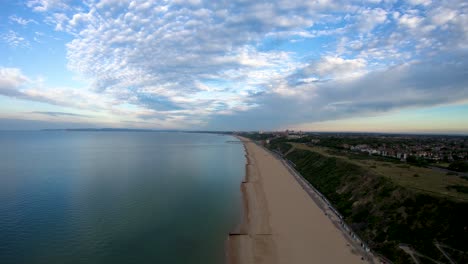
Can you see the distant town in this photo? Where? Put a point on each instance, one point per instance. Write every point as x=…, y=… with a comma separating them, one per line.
x=439, y=150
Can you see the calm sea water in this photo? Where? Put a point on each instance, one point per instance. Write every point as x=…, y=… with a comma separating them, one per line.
x=117, y=197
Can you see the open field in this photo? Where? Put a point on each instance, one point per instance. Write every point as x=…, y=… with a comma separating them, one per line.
x=417, y=178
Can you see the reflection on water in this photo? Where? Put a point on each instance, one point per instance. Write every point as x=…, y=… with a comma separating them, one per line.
x=117, y=197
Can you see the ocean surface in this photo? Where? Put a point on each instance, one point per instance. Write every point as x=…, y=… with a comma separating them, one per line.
x=118, y=197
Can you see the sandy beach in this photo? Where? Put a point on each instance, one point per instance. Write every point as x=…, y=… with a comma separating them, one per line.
x=281, y=223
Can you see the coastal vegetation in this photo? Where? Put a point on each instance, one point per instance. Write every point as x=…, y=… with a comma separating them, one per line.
x=459, y=165
x=387, y=202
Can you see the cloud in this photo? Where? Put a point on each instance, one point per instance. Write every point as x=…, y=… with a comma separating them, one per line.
x=418, y=84
x=246, y=63
x=336, y=68
x=21, y=21
x=371, y=18
x=55, y=114
x=420, y=2
x=47, y=5
x=410, y=21
x=32, y=124
x=57, y=19
x=11, y=79
x=13, y=83
x=13, y=39
x=160, y=56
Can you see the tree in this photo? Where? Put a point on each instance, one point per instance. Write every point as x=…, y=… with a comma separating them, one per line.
x=459, y=165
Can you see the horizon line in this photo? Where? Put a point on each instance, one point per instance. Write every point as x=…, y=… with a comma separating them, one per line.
x=107, y=129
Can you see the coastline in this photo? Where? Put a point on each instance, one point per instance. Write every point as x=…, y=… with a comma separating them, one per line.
x=280, y=222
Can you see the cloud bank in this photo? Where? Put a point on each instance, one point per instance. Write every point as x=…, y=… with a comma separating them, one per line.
x=249, y=64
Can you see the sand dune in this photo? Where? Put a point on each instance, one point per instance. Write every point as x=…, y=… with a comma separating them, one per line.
x=282, y=224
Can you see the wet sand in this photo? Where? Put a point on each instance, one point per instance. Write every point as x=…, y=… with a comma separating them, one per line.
x=281, y=222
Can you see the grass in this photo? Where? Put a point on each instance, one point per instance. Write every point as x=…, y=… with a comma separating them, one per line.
x=458, y=188
x=443, y=165
x=381, y=209
x=428, y=180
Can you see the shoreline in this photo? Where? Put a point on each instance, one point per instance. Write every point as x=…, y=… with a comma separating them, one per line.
x=251, y=243
x=280, y=223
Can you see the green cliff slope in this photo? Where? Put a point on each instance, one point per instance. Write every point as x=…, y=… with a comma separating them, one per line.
x=383, y=213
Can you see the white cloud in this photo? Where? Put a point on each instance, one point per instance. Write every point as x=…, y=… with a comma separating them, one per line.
x=410, y=21
x=441, y=16
x=60, y=20
x=189, y=62
x=159, y=59
x=420, y=2
x=337, y=68
x=46, y=5
x=21, y=21
x=11, y=79
x=371, y=18
x=13, y=83
x=14, y=39
x=418, y=84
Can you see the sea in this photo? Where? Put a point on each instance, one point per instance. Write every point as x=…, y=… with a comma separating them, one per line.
x=118, y=197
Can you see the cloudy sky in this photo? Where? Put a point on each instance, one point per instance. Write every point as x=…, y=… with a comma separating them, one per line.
x=375, y=65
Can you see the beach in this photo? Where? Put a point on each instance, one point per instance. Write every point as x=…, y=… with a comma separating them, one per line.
x=281, y=223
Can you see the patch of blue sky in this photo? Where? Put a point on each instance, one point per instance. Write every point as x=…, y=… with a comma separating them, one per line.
x=303, y=49
x=158, y=103
x=40, y=52
x=13, y=7
x=46, y=60
x=216, y=82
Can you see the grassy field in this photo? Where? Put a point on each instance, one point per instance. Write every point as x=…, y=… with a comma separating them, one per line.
x=417, y=178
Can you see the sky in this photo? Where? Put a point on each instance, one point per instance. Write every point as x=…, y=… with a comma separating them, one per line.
x=316, y=65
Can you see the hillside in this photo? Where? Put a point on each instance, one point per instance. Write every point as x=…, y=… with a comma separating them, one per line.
x=382, y=211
